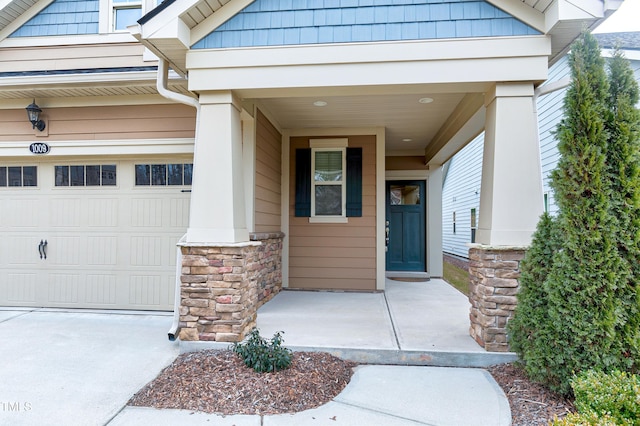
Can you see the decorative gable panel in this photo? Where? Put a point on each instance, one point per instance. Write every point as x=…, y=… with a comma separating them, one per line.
x=294, y=22
x=62, y=17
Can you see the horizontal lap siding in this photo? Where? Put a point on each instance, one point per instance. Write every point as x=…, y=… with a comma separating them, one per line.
x=335, y=255
x=268, y=176
x=20, y=59
x=103, y=123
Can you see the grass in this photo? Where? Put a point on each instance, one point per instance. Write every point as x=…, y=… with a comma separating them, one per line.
x=458, y=278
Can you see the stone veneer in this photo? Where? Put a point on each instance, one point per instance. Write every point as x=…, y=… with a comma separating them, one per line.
x=494, y=273
x=222, y=286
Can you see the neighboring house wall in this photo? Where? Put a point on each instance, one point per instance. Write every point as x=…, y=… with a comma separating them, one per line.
x=550, y=112
x=463, y=177
x=460, y=194
x=335, y=255
x=268, y=176
x=103, y=123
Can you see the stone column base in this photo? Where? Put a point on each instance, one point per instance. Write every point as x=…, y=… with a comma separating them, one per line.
x=222, y=286
x=494, y=273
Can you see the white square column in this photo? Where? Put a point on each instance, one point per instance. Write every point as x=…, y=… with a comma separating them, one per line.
x=217, y=211
x=511, y=197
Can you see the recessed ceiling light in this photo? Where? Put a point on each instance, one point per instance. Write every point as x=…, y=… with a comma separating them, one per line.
x=320, y=103
x=407, y=140
x=425, y=100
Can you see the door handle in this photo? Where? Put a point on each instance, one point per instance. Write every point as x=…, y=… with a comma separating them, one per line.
x=42, y=249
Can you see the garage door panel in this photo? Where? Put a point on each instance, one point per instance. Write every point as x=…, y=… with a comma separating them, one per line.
x=65, y=251
x=178, y=213
x=23, y=213
x=102, y=250
x=22, y=250
x=64, y=288
x=147, y=290
x=66, y=212
x=20, y=288
x=102, y=212
x=146, y=212
x=101, y=289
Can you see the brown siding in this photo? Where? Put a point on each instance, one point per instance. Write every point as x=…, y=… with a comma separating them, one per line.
x=268, y=176
x=103, y=123
x=405, y=163
x=72, y=57
x=339, y=256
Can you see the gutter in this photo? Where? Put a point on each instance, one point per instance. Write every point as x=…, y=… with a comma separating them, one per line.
x=162, y=86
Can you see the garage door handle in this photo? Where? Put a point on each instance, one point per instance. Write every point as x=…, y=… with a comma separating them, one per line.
x=42, y=249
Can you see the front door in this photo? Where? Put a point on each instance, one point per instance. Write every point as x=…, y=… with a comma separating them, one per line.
x=405, y=226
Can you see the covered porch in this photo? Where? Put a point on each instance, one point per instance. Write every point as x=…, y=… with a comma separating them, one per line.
x=413, y=323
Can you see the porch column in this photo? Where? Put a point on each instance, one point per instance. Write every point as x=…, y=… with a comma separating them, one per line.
x=511, y=196
x=510, y=206
x=217, y=211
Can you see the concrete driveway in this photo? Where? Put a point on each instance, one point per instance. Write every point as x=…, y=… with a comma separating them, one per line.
x=75, y=367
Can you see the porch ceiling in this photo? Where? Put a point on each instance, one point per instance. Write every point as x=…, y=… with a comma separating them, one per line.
x=410, y=125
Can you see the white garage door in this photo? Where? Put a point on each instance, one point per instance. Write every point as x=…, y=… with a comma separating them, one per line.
x=110, y=229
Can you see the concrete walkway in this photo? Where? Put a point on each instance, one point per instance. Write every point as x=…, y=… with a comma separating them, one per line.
x=81, y=367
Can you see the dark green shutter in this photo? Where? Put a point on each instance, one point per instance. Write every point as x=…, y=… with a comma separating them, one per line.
x=303, y=182
x=354, y=182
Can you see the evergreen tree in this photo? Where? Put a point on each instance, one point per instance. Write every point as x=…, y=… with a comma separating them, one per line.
x=582, y=281
x=530, y=321
x=623, y=163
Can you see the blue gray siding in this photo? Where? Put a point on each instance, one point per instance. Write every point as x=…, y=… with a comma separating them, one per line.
x=460, y=194
x=288, y=22
x=62, y=17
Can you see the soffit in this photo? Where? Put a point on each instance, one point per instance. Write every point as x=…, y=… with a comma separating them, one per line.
x=12, y=9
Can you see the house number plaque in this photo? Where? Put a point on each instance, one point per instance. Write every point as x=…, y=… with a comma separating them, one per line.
x=39, y=148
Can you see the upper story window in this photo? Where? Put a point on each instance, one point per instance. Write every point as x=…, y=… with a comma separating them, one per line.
x=18, y=176
x=125, y=13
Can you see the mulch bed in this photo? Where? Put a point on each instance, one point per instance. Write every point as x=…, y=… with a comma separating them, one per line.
x=216, y=381
x=531, y=403
x=219, y=382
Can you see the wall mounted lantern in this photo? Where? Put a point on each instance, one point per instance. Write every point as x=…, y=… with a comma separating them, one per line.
x=33, y=111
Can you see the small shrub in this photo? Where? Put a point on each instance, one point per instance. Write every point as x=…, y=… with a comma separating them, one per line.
x=262, y=355
x=605, y=399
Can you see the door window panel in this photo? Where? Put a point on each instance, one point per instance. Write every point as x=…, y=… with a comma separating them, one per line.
x=404, y=195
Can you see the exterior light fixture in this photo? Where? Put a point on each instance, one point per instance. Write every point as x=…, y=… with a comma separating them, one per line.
x=425, y=100
x=407, y=140
x=320, y=103
x=33, y=111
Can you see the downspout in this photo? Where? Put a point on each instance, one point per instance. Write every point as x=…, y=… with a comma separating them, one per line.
x=162, y=86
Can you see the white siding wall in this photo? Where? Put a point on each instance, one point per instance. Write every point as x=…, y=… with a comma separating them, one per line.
x=550, y=111
x=464, y=175
x=460, y=194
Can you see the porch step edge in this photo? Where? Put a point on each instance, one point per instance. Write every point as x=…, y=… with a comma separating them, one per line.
x=387, y=356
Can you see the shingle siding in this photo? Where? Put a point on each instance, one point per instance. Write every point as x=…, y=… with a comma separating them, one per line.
x=285, y=22
x=62, y=17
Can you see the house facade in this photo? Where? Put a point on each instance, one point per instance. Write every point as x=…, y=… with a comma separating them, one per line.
x=463, y=173
x=278, y=143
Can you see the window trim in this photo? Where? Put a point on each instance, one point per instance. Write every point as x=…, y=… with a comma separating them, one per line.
x=128, y=4
x=329, y=145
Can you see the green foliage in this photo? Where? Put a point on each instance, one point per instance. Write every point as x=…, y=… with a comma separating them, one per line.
x=262, y=355
x=581, y=321
x=623, y=161
x=605, y=399
x=529, y=322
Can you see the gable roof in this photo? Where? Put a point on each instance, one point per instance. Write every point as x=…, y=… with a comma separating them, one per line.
x=175, y=26
x=626, y=40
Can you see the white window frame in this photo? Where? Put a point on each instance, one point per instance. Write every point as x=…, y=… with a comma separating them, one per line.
x=128, y=4
x=329, y=145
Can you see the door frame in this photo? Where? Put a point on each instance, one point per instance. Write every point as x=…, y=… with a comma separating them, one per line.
x=423, y=194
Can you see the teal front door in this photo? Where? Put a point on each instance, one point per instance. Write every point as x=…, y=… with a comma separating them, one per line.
x=405, y=225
